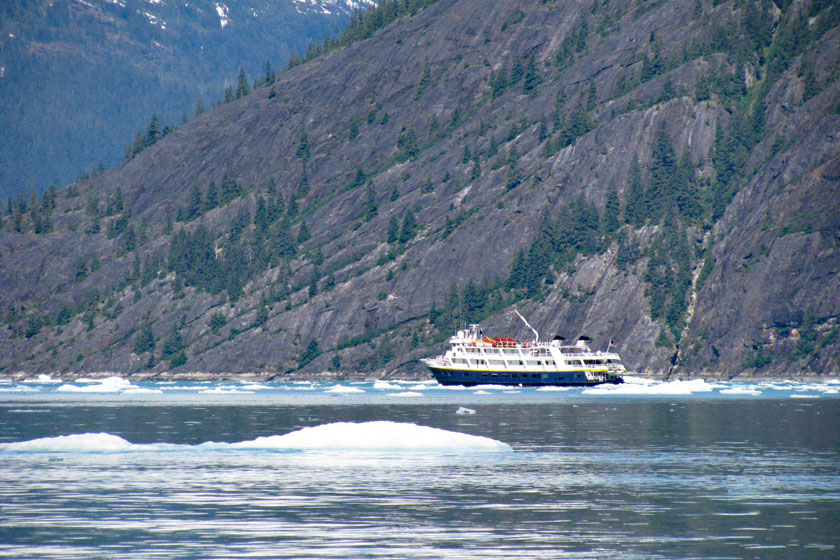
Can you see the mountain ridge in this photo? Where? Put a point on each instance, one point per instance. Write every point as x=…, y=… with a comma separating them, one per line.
x=348, y=216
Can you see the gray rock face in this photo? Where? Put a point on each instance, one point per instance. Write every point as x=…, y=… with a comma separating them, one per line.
x=416, y=119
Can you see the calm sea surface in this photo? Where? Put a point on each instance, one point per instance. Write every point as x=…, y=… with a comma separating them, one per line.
x=642, y=470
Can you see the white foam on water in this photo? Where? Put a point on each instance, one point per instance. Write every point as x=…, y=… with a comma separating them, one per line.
x=341, y=389
x=380, y=436
x=656, y=388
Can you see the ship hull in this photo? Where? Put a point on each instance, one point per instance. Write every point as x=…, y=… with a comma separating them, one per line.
x=470, y=378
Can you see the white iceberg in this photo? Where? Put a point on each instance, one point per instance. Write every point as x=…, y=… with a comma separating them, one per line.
x=340, y=389
x=342, y=436
x=376, y=436
x=107, y=385
x=101, y=442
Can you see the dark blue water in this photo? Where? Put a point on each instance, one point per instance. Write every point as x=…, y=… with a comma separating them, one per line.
x=664, y=471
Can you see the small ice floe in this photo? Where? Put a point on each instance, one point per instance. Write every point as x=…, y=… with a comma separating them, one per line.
x=408, y=394
x=225, y=390
x=79, y=443
x=107, y=385
x=655, y=388
x=341, y=389
x=385, y=386
x=464, y=411
x=750, y=390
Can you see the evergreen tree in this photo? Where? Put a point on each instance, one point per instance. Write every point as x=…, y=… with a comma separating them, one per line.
x=231, y=188
x=145, y=341
x=242, y=88
x=268, y=73
x=371, y=209
x=211, y=197
x=194, y=204
x=612, y=209
x=153, y=132
x=303, y=234
x=425, y=78
x=531, y=79
x=635, y=208
x=408, y=228
x=312, y=351
x=393, y=229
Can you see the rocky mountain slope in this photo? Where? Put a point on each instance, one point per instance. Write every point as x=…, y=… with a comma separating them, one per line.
x=663, y=175
x=78, y=78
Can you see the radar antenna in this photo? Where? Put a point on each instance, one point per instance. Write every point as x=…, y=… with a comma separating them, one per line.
x=536, y=334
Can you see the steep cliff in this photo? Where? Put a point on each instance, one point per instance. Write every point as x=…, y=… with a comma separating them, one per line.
x=659, y=174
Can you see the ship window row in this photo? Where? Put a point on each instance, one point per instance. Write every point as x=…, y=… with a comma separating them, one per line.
x=521, y=363
x=514, y=375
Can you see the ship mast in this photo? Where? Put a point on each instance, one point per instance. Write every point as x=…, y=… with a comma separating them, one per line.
x=536, y=334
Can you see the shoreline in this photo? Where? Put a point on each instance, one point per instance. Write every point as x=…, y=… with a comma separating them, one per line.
x=328, y=376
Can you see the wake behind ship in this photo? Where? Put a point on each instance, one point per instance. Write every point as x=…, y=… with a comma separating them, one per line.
x=477, y=360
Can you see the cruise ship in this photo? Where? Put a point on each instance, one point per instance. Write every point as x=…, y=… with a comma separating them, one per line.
x=474, y=359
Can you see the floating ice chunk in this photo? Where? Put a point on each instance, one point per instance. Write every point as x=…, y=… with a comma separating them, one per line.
x=255, y=386
x=553, y=388
x=406, y=394
x=376, y=436
x=340, y=389
x=385, y=386
x=419, y=387
x=342, y=436
x=107, y=385
x=101, y=442
x=464, y=411
x=480, y=392
x=740, y=391
x=225, y=391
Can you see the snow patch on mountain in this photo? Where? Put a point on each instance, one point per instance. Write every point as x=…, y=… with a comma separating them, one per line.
x=224, y=14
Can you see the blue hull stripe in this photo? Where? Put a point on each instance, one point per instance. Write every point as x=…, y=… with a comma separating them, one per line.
x=446, y=376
